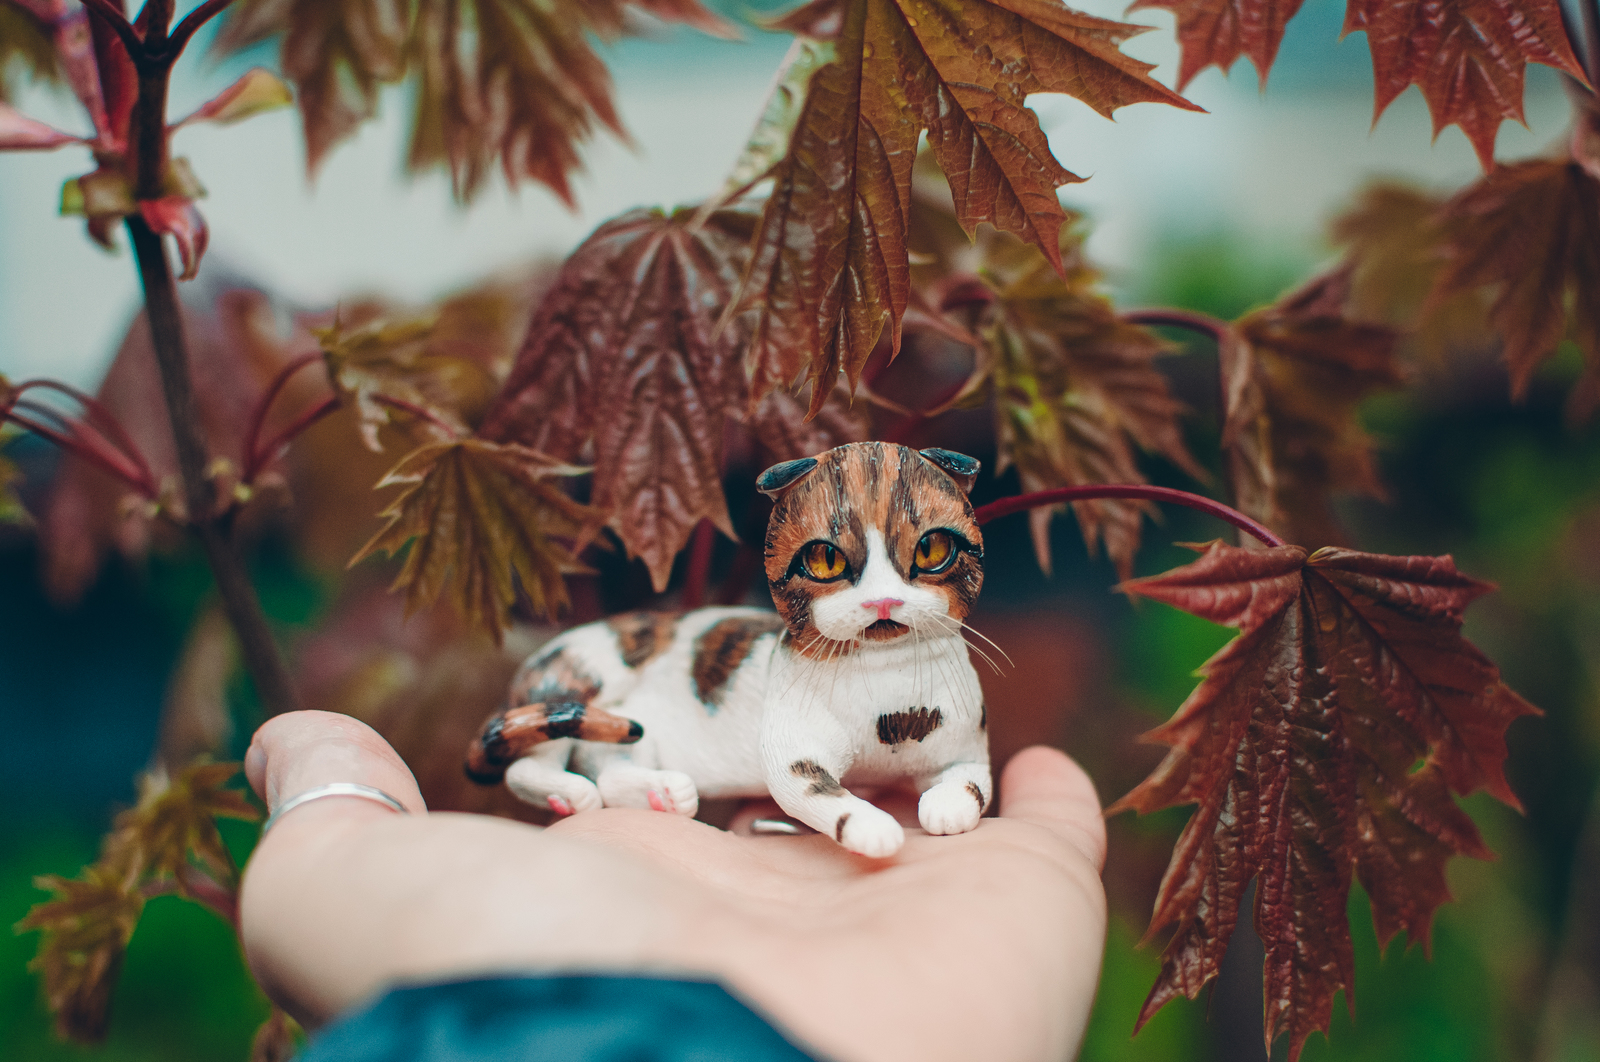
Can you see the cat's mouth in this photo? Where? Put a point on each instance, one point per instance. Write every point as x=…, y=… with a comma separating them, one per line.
x=885, y=630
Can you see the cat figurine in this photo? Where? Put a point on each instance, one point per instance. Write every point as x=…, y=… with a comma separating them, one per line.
x=861, y=677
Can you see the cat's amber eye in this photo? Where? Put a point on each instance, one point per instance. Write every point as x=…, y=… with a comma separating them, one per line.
x=936, y=551
x=823, y=561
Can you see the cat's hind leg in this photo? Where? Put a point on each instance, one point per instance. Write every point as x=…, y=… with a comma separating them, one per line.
x=625, y=784
x=954, y=799
x=541, y=779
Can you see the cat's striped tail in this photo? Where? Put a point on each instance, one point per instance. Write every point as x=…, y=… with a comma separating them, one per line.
x=512, y=734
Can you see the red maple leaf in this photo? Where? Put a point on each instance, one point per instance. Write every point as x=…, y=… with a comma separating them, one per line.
x=1325, y=739
x=830, y=272
x=1468, y=57
x=1217, y=32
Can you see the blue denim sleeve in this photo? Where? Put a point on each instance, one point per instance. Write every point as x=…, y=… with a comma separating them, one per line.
x=555, y=1019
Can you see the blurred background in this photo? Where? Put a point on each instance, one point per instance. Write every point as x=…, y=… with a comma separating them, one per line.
x=1216, y=212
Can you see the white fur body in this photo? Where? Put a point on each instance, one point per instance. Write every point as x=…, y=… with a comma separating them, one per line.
x=873, y=559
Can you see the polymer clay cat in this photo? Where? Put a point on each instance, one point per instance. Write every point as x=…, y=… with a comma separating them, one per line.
x=861, y=678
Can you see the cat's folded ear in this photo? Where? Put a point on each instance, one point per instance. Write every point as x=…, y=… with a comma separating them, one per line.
x=778, y=478
x=962, y=469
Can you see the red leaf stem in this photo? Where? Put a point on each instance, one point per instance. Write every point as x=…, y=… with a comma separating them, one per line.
x=112, y=16
x=99, y=417
x=1021, y=502
x=698, y=570
x=101, y=454
x=420, y=412
x=1194, y=322
x=253, y=454
x=267, y=454
x=192, y=22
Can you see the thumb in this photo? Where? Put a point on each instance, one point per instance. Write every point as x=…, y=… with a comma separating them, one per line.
x=297, y=751
x=1046, y=787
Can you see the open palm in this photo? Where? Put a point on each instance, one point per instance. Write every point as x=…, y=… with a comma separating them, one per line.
x=985, y=944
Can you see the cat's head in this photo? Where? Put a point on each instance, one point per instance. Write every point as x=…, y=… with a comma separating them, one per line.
x=871, y=541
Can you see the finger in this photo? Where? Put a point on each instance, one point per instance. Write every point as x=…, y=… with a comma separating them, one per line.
x=1046, y=787
x=297, y=751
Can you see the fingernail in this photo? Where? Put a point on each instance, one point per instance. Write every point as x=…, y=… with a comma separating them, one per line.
x=255, y=761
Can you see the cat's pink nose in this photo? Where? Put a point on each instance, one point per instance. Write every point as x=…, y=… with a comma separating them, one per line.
x=883, y=605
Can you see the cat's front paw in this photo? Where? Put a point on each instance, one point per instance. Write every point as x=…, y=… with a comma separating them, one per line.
x=632, y=787
x=561, y=791
x=869, y=831
x=950, y=807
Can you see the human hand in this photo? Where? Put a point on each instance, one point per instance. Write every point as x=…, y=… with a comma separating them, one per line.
x=981, y=945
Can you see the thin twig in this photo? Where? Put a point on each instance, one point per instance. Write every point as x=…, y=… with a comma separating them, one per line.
x=1137, y=492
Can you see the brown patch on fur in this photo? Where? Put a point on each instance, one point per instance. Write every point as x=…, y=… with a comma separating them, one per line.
x=641, y=636
x=854, y=487
x=509, y=736
x=977, y=794
x=721, y=648
x=912, y=725
x=838, y=827
x=822, y=783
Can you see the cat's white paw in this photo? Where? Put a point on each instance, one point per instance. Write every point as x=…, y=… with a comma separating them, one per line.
x=544, y=786
x=671, y=791
x=950, y=807
x=869, y=831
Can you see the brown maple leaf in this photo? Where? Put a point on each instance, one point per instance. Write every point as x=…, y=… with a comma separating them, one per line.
x=1528, y=235
x=508, y=81
x=86, y=927
x=84, y=932
x=1076, y=389
x=829, y=273
x=434, y=372
x=781, y=424
x=1393, y=243
x=1294, y=375
x=1325, y=739
x=625, y=367
x=479, y=515
x=337, y=54
x=1217, y=32
x=1468, y=57
x=175, y=821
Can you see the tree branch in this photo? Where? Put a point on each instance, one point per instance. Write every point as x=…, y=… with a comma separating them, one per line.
x=265, y=455
x=1020, y=503
x=239, y=600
